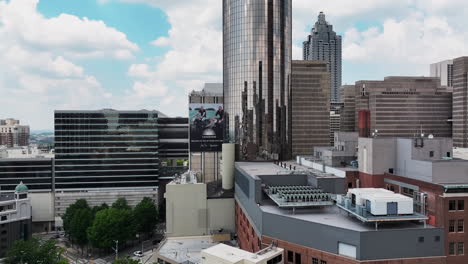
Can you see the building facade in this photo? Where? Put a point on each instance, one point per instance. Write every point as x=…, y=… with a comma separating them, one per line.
x=257, y=40
x=310, y=106
x=347, y=118
x=12, y=134
x=324, y=44
x=460, y=102
x=403, y=107
x=443, y=70
x=37, y=173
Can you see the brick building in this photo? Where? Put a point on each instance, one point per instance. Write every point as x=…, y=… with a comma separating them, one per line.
x=12, y=134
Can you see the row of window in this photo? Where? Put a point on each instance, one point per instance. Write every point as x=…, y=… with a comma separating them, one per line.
x=456, y=248
x=456, y=205
x=460, y=226
x=294, y=257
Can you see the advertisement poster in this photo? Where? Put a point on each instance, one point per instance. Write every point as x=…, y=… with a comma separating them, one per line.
x=206, y=127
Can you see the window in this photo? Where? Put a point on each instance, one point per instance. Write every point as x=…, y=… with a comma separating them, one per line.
x=452, y=205
x=298, y=258
x=449, y=154
x=4, y=218
x=290, y=256
x=275, y=260
x=437, y=238
x=461, y=226
x=460, y=248
x=315, y=261
x=323, y=262
x=452, y=248
x=431, y=154
x=461, y=205
x=451, y=226
x=421, y=239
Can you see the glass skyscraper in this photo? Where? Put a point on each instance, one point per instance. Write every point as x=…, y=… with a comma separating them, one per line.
x=257, y=65
x=324, y=44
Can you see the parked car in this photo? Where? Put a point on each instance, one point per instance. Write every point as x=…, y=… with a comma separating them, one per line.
x=138, y=254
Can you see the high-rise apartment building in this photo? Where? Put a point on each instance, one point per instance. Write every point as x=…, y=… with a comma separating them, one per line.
x=443, y=70
x=403, y=106
x=460, y=102
x=310, y=106
x=256, y=76
x=324, y=44
x=13, y=134
x=347, y=118
x=106, y=149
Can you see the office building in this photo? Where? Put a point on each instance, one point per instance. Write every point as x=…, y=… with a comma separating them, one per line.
x=37, y=173
x=460, y=102
x=325, y=45
x=425, y=170
x=347, y=117
x=443, y=70
x=402, y=107
x=342, y=153
x=310, y=95
x=316, y=230
x=106, y=149
x=257, y=40
x=12, y=134
x=15, y=217
x=207, y=164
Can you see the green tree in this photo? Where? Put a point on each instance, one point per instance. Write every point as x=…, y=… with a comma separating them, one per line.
x=81, y=221
x=69, y=213
x=121, y=203
x=126, y=260
x=99, y=208
x=34, y=251
x=146, y=215
x=109, y=225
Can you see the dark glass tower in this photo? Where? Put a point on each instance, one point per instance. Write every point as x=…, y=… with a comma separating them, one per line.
x=106, y=149
x=257, y=64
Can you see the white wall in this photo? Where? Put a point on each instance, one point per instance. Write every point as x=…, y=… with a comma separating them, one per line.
x=221, y=214
x=42, y=206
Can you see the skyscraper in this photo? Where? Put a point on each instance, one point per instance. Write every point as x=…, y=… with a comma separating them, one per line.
x=324, y=44
x=256, y=75
x=460, y=102
x=443, y=70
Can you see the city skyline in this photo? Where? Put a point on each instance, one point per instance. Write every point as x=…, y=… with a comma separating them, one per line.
x=133, y=66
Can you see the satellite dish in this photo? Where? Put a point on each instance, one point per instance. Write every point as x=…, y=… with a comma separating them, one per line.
x=431, y=136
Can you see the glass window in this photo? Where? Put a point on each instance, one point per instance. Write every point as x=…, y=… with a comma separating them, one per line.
x=460, y=248
x=452, y=205
x=452, y=248
x=461, y=225
x=298, y=258
x=290, y=256
x=315, y=261
x=452, y=226
x=431, y=154
x=323, y=262
x=461, y=205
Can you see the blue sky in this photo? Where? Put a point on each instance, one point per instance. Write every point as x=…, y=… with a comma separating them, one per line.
x=148, y=54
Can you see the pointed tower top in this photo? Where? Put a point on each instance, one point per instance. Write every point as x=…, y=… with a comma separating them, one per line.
x=321, y=18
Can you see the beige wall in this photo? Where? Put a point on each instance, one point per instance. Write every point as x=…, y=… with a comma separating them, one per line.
x=221, y=214
x=42, y=207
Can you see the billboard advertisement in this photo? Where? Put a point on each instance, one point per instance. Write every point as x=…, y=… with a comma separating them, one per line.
x=206, y=127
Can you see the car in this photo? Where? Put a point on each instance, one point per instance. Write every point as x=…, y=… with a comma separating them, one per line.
x=138, y=254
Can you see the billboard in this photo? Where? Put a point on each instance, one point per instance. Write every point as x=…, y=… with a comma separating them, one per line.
x=206, y=127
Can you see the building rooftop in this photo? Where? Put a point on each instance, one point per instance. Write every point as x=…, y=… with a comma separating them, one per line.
x=236, y=255
x=460, y=153
x=185, y=249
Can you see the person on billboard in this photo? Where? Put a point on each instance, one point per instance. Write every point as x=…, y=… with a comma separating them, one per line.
x=219, y=115
x=202, y=113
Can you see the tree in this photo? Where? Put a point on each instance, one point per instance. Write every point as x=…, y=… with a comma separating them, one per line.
x=34, y=251
x=110, y=225
x=68, y=216
x=146, y=215
x=81, y=221
x=99, y=208
x=126, y=260
x=121, y=203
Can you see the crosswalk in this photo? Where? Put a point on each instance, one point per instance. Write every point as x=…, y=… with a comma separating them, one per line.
x=100, y=261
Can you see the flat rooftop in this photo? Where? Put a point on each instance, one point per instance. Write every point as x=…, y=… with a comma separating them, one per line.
x=235, y=255
x=333, y=216
x=185, y=248
x=460, y=153
x=262, y=168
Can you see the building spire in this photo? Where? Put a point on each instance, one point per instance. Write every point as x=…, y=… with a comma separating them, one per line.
x=321, y=18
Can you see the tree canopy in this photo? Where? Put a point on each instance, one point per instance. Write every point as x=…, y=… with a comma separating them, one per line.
x=34, y=251
x=146, y=215
x=121, y=203
x=69, y=213
x=126, y=261
x=110, y=225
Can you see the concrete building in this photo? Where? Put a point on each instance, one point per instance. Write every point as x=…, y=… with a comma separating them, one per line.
x=342, y=153
x=422, y=168
x=15, y=217
x=207, y=164
x=12, y=134
x=197, y=209
x=460, y=102
x=225, y=254
x=325, y=45
x=310, y=230
x=403, y=107
x=310, y=95
x=347, y=117
x=443, y=70
x=257, y=52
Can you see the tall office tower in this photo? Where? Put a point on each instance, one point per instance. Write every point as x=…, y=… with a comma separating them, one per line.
x=256, y=72
x=207, y=163
x=13, y=134
x=310, y=101
x=347, y=115
x=443, y=70
x=404, y=107
x=324, y=44
x=460, y=102
x=106, y=149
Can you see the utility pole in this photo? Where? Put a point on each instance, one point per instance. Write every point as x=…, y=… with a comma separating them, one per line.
x=116, y=249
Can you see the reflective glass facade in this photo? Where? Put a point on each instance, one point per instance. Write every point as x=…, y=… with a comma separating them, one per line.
x=257, y=65
x=106, y=149
x=35, y=173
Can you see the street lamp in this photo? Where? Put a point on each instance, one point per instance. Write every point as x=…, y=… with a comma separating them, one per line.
x=116, y=249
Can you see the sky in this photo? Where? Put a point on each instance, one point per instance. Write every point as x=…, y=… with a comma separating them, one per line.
x=148, y=54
